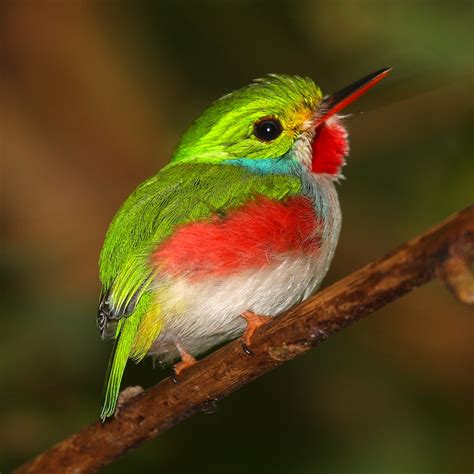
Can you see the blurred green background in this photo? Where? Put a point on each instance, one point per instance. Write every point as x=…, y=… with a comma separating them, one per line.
x=94, y=96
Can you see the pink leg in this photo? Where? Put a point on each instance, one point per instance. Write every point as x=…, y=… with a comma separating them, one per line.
x=254, y=321
x=187, y=360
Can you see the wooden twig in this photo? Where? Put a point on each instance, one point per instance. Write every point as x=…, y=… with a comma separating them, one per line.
x=165, y=405
x=456, y=270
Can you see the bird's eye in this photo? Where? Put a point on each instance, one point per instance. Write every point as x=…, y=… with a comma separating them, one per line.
x=267, y=129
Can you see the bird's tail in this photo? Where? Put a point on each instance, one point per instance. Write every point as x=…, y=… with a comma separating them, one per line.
x=125, y=339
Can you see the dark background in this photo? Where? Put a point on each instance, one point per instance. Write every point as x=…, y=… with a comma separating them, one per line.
x=93, y=98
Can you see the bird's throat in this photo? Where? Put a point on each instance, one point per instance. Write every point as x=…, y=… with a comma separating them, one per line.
x=330, y=146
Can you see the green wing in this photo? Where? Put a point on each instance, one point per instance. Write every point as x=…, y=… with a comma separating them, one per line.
x=178, y=194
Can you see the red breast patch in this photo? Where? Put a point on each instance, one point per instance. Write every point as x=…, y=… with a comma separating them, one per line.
x=251, y=236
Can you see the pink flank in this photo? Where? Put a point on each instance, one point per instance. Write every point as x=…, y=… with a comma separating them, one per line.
x=330, y=147
x=251, y=236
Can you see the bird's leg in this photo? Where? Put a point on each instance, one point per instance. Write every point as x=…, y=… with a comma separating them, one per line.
x=187, y=360
x=254, y=321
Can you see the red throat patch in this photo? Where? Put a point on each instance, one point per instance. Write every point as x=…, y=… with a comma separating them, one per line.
x=330, y=147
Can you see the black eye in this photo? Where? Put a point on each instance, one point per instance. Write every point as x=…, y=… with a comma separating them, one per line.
x=267, y=129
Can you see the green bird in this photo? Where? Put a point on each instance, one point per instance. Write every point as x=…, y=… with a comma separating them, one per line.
x=238, y=227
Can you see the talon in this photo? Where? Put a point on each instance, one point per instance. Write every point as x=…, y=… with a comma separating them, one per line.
x=246, y=348
x=254, y=321
x=187, y=360
x=173, y=376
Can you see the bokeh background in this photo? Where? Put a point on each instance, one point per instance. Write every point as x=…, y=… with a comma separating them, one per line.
x=93, y=98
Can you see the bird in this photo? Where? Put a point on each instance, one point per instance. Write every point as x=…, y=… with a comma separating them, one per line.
x=238, y=227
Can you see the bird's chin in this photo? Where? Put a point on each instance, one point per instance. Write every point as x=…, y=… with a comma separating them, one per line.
x=329, y=148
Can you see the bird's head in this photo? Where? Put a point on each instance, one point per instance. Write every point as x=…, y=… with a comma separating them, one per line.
x=276, y=118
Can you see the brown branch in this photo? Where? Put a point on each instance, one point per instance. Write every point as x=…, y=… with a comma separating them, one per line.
x=455, y=271
x=163, y=406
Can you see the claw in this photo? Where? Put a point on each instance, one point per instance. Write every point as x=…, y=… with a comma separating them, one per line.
x=246, y=348
x=174, y=377
x=187, y=360
x=254, y=321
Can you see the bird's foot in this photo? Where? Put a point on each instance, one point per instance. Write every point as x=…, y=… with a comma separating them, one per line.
x=187, y=360
x=254, y=321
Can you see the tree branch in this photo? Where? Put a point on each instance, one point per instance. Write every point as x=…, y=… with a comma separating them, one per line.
x=163, y=406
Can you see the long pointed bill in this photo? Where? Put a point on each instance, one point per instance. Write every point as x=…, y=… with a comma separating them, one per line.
x=336, y=102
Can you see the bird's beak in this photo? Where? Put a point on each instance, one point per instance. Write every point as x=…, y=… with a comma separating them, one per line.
x=334, y=103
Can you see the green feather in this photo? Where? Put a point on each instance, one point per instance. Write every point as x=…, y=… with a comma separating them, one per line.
x=225, y=129
x=125, y=336
x=195, y=186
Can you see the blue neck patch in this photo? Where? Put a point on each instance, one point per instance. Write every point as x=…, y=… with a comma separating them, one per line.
x=266, y=165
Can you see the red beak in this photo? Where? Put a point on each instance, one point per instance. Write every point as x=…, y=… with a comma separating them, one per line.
x=336, y=102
